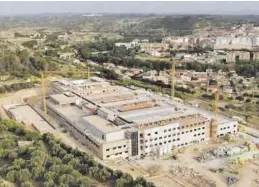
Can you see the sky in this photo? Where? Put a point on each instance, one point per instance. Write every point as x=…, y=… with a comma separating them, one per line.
x=173, y=7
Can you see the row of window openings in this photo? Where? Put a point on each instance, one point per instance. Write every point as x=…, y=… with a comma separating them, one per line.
x=119, y=147
x=169, y=141
x=174, y=135
x=199, y=134
x=165, y=143
x=225, y=134
x=120, y=153
x=179, y=133
x=187, y=126
x=226, y=127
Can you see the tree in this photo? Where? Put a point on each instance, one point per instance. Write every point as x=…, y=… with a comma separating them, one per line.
x=245, y=94
x=11, y=176
x=51, y=52
x=27, y=184
x=240, y=98
x=23, y=175
x=248, y=100
x=84, y=51
x=74, y=162
x=66, y=179
x=128, y=178
x=67, y=158
x=30, y=44
x=37, y=172
x=50, y=175
x=31, y=135
x=62, y=153
x=2, y=153
x=120, y=182
x=49, y=183
x=18, y=162
x=138, y=185
x=55, y=149
x=24, y=56
x=12, y=155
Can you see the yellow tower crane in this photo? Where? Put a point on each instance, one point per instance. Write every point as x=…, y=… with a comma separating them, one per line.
x=172, y=80
x=214, y=127
x=43, y=85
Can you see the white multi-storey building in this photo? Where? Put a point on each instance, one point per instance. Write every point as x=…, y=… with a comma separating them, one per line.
x=125, y=123
x=236, y=42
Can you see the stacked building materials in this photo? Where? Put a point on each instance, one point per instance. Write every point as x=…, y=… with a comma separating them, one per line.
x=237, y=150
x=220, y=151
x=205, y=157
x=240, y=159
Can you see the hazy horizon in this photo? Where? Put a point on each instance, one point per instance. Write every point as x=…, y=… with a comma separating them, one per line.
x=134, y=7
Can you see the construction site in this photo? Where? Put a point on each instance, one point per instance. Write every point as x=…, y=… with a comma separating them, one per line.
x=159, y=137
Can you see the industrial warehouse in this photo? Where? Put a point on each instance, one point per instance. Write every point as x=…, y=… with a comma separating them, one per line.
x=118, y=122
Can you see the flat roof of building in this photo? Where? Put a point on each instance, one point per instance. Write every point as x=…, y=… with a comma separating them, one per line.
x=148, y=115
x=27, y=115
x=123, y=102
x=61, y=98
x=208, y=114
x=188, y=120
x=103, y=96
x=167, y=108
x=101, y=124
x=72, y=113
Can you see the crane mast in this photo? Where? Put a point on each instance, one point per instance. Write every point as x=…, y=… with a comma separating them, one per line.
x=172, y=80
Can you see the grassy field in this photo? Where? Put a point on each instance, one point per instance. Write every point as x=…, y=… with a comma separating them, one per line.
x=152, y=58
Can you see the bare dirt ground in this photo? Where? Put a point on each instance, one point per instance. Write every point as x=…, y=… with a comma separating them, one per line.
x=247, y=174
x=16, y=97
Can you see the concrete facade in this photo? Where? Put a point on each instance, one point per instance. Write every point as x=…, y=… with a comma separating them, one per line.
x=150, y=124
x=162, y=139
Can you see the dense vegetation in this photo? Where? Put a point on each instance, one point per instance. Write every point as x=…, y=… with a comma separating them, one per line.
x=247, y=69
x=22, y=64
x=15, y=87
x=166, y=86
x=180, y=92
x=30, y=44
x=19, y=35
x=29, y=159
x=125, y=24
x=153, y=64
